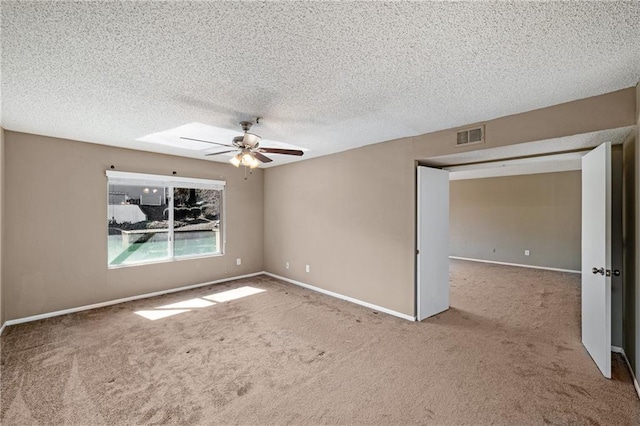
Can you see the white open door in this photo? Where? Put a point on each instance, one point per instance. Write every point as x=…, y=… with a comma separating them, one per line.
x=596, y=256
x=432, y=276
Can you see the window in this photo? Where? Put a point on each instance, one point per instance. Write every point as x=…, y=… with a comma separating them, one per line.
x=153, y=218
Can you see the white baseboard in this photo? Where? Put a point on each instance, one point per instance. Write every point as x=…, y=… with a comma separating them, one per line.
x=343, y=297
x=615, y=349
x=126, y=299
x=620, y=351
x=515, y=264
x=189, y=287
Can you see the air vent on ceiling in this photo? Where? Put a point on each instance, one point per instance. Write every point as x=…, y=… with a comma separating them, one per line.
x=470, y=136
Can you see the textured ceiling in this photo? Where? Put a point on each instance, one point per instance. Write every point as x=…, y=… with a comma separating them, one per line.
x=326, y=76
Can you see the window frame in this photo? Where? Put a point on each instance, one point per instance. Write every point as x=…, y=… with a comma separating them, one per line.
x=170, y=183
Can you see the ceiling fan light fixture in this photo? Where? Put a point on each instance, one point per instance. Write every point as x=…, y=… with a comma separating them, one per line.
x=247, y=159
x=255, y=163
x=236, y=160
x=251, y=139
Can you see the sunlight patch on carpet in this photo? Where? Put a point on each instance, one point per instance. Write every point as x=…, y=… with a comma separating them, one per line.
x=171, y=309
x=237, y=293
x=154, y=315
x=188, y=304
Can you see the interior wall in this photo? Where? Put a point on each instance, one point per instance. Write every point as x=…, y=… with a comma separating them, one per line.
x=351, y=215
x=56, y=216
x=1, y=220
x=636, y=190
x=498, y=218
x=617, y=246
x=629, y=241
x=608, y=111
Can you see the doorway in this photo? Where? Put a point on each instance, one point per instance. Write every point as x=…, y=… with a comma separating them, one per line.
x=493, y=256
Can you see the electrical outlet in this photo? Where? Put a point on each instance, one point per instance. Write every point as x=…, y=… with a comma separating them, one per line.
x=286, y=265
x=526, y=252
x=308, y=268
x=238, y=261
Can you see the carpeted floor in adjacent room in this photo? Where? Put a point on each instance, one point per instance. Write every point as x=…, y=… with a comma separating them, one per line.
x=507, y=352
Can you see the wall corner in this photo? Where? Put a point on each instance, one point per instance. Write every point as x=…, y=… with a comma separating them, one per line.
x=638, y=102
x=2, y=310
x=637, y=231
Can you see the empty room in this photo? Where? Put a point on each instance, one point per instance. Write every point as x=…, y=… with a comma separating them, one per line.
x=319, y=213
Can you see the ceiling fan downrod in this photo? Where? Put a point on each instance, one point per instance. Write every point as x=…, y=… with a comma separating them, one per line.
x=246, y=125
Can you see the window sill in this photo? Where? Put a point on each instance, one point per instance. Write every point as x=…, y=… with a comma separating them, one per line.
x=165, y=260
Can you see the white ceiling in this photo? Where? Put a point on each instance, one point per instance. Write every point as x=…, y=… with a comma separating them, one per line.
x=326, y=76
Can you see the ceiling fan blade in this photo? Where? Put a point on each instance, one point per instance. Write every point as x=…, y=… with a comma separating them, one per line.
x=281, y=151
x=262, y=158
x=200, y=140
x=221, y=152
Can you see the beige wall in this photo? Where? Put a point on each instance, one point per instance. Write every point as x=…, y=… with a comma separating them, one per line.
x=629, y=241
x=1, y=220
x=636, y=287
x=609, y=111
x=499, y=218
x=55, y=225
x=617, y=244
x=351, y=215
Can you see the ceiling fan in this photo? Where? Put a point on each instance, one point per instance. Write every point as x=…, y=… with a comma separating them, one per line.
x=250, y=153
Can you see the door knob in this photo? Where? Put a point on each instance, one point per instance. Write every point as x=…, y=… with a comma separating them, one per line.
x=598, y=271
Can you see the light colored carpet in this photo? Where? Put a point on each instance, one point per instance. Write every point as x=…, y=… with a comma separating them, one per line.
x=507, y=352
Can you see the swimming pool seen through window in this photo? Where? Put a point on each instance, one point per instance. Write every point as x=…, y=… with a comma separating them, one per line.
x=153, y=218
